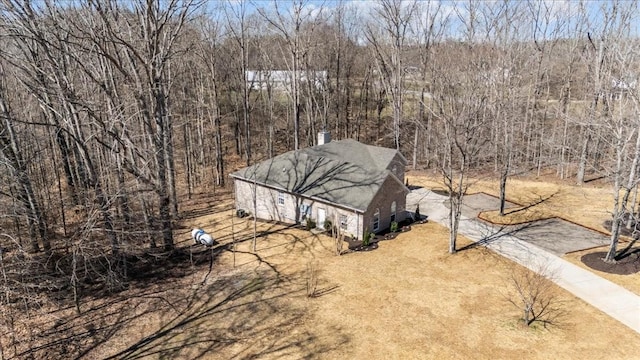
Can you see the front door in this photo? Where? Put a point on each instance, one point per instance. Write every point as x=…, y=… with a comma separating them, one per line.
x=321, y=218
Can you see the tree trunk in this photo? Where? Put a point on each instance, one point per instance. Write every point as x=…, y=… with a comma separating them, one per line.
x=171, y=168
x=415, y=148
x=503, y=189
x=26, y=196
x=631, y=218
x=583, y=157
x=620, y=206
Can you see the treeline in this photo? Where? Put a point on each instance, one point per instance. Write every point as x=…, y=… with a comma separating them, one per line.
x=113, y=113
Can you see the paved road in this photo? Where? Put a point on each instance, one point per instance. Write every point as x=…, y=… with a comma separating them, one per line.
x=610, y=298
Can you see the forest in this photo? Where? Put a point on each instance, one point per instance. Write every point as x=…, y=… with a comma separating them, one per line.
x=113, y=113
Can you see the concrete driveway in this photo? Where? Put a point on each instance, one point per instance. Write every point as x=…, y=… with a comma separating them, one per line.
x=554, y=235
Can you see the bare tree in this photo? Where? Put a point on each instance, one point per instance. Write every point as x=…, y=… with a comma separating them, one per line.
x=267, y=91
x=506, y=87
x=429, y=29
x=239, y=31
x=290, y=25
x=461, y=108
x=45, y=49
x=387, y=34
x=146, y=61
x=620, y=116
x=606, y=29
x=208, y=50
x=11, y=152
x=534, y=293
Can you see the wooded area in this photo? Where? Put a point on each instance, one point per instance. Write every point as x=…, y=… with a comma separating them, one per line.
x=113, y=113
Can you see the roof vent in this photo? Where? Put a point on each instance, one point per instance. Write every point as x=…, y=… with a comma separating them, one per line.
x=324, y=137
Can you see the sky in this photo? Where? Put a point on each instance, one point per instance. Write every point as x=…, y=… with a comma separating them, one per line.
x=556, y=18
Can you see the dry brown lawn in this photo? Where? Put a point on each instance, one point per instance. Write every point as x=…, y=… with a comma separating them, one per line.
x=408, y=299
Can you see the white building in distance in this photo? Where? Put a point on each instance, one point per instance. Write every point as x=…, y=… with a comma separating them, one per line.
x=282, y=79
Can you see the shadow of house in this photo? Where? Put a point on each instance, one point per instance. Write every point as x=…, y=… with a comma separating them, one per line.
x=344, y=183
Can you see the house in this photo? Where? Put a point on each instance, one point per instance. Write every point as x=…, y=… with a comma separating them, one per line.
x=355, y=186
x=622, y=87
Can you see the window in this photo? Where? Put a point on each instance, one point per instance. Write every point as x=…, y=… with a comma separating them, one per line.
x=305, y=211
x=393, y=211
x=343, y=222
x=280, y=198
x=376, y=220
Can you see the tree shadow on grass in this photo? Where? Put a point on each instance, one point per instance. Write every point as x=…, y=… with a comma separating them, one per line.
x=106, y=287
x=143, y=269
x=209, y=210
x=540, y=200
x=238, y=315
x=257, y=321
x=214, y=202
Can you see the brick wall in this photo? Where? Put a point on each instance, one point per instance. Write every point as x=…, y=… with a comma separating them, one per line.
x=393, y=191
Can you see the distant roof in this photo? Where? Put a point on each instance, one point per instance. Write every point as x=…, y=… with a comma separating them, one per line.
x=344, y=172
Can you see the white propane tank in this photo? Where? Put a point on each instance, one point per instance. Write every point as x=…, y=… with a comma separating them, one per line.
x=201, y=237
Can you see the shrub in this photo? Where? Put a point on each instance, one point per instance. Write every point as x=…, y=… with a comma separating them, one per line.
x=533, y=293
x=366, y=237
x=327, y=225
x=394, y=226
x=311, y=224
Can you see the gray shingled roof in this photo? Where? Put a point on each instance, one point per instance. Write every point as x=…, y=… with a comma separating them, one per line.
x=344, y=172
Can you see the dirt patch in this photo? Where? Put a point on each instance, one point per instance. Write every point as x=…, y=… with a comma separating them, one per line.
x=627, y=264
x=362, y=247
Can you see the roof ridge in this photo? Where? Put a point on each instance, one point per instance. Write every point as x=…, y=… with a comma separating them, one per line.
x=344, y=172
x=335, y=150
x=376, y=153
